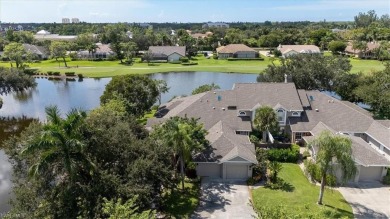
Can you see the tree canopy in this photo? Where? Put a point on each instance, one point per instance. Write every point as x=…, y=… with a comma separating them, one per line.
x=204, y=88
x=266, y=120
x=308, y=72
x=333, y=149
x=13, y=80
x=139, y=93
x=15, y=53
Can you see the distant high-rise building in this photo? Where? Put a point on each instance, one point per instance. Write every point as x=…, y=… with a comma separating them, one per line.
x=75, y=20
x=65, y=20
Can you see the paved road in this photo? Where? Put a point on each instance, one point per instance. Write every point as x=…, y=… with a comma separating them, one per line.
x=224, y=200
x=368, y=199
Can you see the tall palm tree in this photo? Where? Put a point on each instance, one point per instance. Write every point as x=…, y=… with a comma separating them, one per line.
x=265, y=120
x=186, y=137
x=333, y=149
x=59, y=146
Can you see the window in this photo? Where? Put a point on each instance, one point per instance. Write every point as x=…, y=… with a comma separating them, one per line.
x=298, y=136
x=242, y=113
x=280, y=115
x=295, y=113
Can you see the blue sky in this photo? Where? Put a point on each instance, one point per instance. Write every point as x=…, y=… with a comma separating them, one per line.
x=187, y=10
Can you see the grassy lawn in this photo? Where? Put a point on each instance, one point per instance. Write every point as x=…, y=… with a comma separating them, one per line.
x=147, y=115
x=111, y=68
x=303, y=197
x=182, y=205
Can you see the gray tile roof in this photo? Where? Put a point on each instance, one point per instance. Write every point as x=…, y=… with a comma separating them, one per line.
x=380, y=133
x=168, y=50
x=362, y=153
x=334, y=113
x=37, y=50
x=234, y=48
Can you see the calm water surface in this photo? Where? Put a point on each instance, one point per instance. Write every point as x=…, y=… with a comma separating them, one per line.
x=19, y=108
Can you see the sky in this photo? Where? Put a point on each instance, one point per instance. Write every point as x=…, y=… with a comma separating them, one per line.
x=112, y=11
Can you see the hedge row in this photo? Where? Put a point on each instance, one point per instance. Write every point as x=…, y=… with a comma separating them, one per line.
x=245, y=59
x=190, y=63
x=289, y=155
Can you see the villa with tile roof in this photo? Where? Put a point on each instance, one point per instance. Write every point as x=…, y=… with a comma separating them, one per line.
x=236, y=51
x=228, y=117
x=167, y=53
x=288, y=50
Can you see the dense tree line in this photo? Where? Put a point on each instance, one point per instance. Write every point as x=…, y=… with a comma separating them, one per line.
x=104, y=163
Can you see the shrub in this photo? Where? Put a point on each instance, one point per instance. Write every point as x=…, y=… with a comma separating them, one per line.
x=289, y=155
x=50, y=73
x=313, y=171
x=184, y=59
x=175, y=62
x=215, y=56
x=190, y=63
x=251, y=181
x=305, y=154
x=254, y=139
x=56, y=73
x=31, y=71
x=245, y=59
x=70, y=73
x=80, y=75
x=386, y=179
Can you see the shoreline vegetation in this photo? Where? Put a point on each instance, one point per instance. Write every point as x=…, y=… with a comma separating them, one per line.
x=104, y=69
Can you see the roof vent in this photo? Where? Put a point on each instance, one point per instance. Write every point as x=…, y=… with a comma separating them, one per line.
x=223, y=108
x=215, y=92
x=317, y=110
x=213, y=107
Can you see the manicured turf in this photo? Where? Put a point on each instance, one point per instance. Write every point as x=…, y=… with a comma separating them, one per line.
x=112, y=68
x=182, y=205
x=303, y=197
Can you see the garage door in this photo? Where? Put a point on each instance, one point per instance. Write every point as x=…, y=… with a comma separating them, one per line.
x=236, y=171
x=208, y=169
x=370, y=174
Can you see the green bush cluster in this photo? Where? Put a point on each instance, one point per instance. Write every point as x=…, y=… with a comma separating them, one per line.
x=175, y=62
x=190, y=63
x=314, y=173
x=70, y=73
x=254, y=139
x=50, y=73
x=31, y=71
x=56, y=73
x=80, y=75
x=289, y=155
x=306, y=154
x=245, y=59
x=184, y=59
x=386, y=179
x=215, y=56
x=251, y=181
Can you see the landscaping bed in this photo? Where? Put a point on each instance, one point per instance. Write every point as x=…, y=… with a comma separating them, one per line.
x=300, y=199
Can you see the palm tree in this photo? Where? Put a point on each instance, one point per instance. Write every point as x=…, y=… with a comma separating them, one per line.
x=59, y=146
x=274, y=167
x=266, y=120
x=333, y=149
x=186, y=137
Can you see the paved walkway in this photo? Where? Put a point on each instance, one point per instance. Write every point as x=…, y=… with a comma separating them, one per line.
x=368, y=199
x=224, y=200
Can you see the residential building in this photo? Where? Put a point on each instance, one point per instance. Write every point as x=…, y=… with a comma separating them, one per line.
x=362, y=54
x=65, y=20
x=38, y=52
x=288, y=50
x=46, y=35
x=102, y=51
x=215, y=24
x=167, y=53
x=236, y=51
x=228, y=116
x=75, y=20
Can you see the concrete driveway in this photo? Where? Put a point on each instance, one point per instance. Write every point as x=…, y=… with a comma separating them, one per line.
x=224, y=200
x=368, y=199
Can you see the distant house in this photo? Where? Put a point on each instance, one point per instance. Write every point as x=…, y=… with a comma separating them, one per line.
x=102, y=51
x=46, y=35
x=288, y=50
x=200, y=35
x=366, y=54
x=168, y=53
x=39, y=52
x=236, y=51
x=215, y=24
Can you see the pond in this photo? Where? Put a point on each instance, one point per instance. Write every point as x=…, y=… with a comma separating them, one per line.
x=19, y=108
